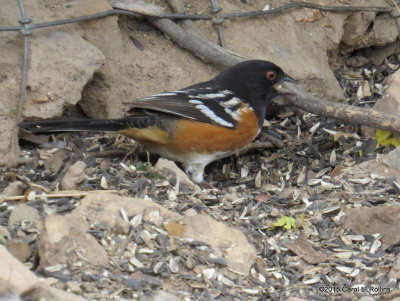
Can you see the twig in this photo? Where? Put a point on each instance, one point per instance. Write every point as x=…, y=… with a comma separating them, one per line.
x=256, y=145
x=349, y=114
x=197, y=44
x=59, y=194
x=178, y=7
x=217, y=22
x=112, y=153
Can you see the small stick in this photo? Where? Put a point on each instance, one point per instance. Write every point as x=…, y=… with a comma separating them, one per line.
x=111, y=153
x=192, y=41
x=256, y=145
x=58, y=194
x=347, y=113
x=179, y=8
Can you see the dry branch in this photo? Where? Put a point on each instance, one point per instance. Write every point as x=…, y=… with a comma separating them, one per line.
x=198, y=45
x=139, y=6
x=192, y=40
x=179, y=8
x=58, y=194
x=346, y=113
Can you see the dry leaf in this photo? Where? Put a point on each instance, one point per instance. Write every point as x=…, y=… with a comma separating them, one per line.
x=175, y=229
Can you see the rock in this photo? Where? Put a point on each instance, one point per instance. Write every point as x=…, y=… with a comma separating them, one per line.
x=368, y=29
x=356, y=26
x=154, y=217
x=390, y=103
x=395, y=270
x=24, y=213
x=33, y=138
x=367, y=298
x=380, y=219
x=52, y=86
x=13, y=189
x=105, y=208
x=45, y=292
x=356, y=61
x=383, y=32
x=74, y=287
x=10, y=296
x=64, y=233
x=74, y=175
x=303, y=248
x=4, y=235
x=19, y=249
x=387, y=165
x=55, y=161
x=391, y=159
x=14, y=276
x=10, y=57
x=379, y=53
x=165, y=296
x=229, y=243
x=171, y=167
x=175, y=229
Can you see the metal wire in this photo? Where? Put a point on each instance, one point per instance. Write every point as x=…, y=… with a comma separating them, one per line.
x=217, y=22
x=308, y=5
x=105, y=14
x=203, y=16
x=25, y=31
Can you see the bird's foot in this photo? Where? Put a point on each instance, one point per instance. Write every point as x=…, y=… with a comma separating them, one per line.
x=206, y=185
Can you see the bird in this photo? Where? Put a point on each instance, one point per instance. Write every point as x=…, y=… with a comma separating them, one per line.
x=195, y=125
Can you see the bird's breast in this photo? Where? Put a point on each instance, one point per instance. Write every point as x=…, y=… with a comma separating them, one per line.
x=192, y=136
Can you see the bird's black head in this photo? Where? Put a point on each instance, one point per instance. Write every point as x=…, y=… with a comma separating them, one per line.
x=254, y=81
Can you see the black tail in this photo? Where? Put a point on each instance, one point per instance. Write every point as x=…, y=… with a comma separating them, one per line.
x=80, y=125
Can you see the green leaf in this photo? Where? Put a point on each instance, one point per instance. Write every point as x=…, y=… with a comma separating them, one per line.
x=384, y=139
x=149, y=171
x=146, y=167
x=3, y=239
x=286, y=222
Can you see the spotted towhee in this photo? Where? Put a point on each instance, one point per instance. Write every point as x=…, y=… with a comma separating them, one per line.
x=195, y=125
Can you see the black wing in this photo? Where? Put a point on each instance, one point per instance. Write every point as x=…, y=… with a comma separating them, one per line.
x=203, y=102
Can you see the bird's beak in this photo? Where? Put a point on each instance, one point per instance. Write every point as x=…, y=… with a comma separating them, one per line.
x=279, y=85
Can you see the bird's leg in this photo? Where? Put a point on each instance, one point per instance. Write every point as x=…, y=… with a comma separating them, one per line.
x=196, y=172
x=207, y=185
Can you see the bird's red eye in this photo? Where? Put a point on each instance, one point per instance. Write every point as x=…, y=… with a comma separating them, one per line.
x=271, y=75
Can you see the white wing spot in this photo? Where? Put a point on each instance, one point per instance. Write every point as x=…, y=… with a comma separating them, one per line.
x=195, y=102
x=219, y=94
x=175, y=93
x=231, y=102
x=210, y=114
x=208, y=96
x=227, y=92
x=167, y=94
